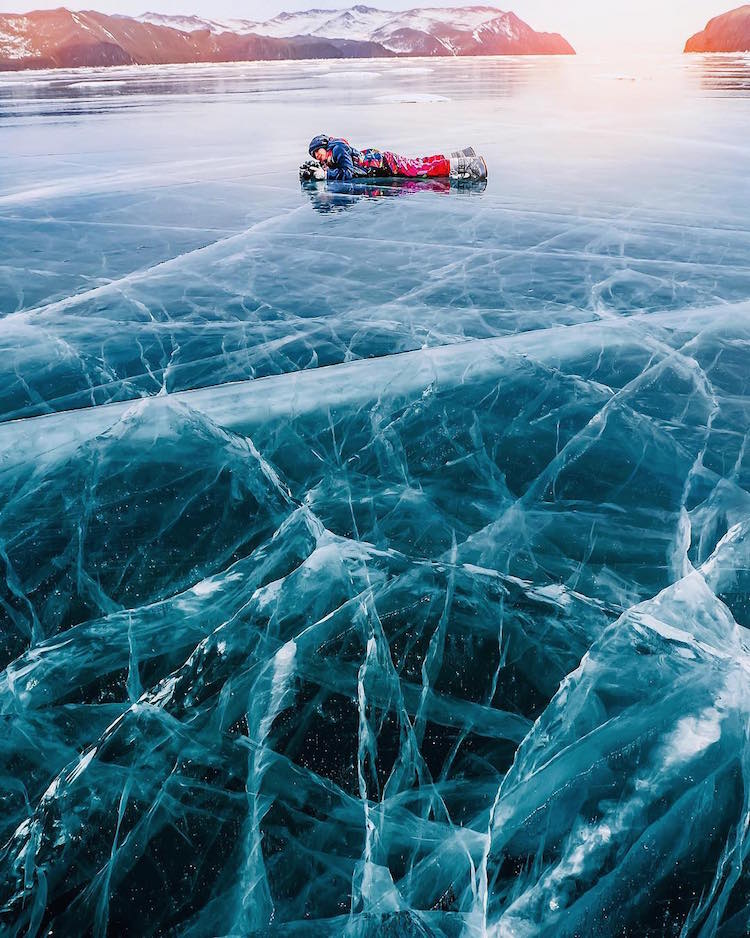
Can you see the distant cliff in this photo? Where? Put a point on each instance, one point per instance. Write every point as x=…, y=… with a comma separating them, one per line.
x=727, y=33
x=64, y=39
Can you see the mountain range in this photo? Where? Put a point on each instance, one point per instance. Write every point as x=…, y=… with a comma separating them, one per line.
x=727, y=33
x=472, y=30
x=62, y=38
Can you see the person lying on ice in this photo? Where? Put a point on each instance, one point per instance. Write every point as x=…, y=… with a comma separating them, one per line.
x=340, y=161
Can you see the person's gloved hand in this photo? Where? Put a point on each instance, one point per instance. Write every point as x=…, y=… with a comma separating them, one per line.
x=312, y=170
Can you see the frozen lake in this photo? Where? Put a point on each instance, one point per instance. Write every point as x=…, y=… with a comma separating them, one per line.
x=375, y=562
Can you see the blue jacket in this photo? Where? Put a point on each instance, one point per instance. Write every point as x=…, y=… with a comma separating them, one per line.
x=343, y=164
x=348, y=163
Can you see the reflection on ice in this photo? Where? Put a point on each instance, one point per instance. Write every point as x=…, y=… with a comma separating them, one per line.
x=340, y=196
x=375, y=565
x=726, y=73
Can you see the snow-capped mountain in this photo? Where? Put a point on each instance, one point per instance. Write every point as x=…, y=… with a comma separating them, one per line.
x=193, y=24
x=362, y=22
x=61, y=38
x=64, y=39
x=475, y=30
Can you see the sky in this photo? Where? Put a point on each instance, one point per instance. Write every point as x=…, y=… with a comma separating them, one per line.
x=590, y=25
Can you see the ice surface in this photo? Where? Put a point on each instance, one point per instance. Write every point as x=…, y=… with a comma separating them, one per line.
x=374, y=561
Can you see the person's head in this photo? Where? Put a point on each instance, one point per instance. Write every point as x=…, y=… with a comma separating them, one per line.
x=318, y=148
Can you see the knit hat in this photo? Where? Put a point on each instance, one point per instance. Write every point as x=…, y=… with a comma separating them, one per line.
x=317, y=142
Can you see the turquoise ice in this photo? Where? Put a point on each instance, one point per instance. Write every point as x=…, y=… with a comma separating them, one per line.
x=375, y=563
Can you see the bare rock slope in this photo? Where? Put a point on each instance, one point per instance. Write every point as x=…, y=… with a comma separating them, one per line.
x=727, y=33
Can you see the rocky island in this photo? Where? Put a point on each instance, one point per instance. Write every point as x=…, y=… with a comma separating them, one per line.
x=729, y=32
